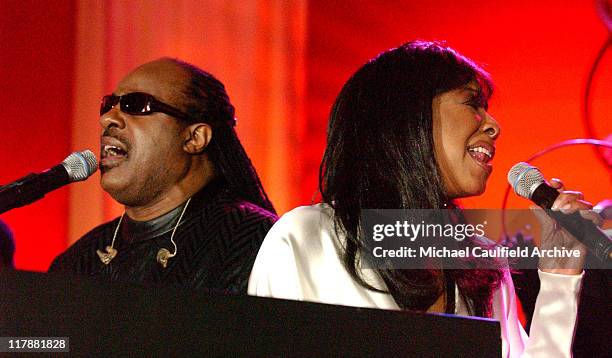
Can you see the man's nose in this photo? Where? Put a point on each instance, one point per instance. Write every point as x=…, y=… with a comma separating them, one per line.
x=113, y=118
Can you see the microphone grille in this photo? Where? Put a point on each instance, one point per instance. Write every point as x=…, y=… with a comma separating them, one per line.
x=80, y=165
x=524, y=178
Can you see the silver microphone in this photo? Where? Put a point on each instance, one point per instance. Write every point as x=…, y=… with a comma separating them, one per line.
x=77, y=166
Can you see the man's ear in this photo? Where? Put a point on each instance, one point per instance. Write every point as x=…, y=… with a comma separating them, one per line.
x=197, y=136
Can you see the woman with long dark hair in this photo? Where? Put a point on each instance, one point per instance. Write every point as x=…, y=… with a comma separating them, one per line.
x=409, y=130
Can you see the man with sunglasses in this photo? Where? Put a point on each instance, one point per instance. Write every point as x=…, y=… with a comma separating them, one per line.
x=195, y=210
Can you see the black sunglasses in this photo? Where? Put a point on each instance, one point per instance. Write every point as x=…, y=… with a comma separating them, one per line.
x=139, y=104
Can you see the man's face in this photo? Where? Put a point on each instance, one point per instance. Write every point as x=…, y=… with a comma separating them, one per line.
x=150, y=159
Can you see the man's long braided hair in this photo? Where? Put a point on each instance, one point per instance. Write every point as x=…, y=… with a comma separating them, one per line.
x=208, y=102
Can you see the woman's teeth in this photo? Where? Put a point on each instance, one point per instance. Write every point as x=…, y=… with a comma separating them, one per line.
x=481, y=154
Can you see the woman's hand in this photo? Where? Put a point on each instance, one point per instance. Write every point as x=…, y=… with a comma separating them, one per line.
x=553, y=235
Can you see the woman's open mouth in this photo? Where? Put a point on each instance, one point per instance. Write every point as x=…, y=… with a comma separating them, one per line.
x=483, y=154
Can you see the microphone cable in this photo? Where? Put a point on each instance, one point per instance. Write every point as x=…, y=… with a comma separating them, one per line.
x=566, y=143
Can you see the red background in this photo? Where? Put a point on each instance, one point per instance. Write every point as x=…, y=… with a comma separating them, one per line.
x=538, y=53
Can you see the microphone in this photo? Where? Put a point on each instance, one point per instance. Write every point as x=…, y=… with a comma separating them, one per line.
x=528, y=182
x=76, y=167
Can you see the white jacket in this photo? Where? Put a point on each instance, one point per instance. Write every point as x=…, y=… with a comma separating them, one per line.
x=299, y=260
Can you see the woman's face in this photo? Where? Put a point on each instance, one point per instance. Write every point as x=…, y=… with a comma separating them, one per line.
x=464, y=140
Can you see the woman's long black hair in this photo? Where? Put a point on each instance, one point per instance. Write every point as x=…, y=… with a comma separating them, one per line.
x=380, y=155
x=207, y=101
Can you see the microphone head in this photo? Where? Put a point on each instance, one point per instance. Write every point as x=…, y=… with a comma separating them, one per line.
x=80, y=165
x=524, y=179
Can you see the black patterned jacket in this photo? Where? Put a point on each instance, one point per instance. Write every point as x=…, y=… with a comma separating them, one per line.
x=217, y=240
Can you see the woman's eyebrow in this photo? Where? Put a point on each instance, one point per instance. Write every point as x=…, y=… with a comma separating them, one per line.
x=476, y=94
x=469, y=88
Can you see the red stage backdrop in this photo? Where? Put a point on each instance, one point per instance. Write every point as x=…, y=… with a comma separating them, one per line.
x=538, y=53
x=36, y=76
